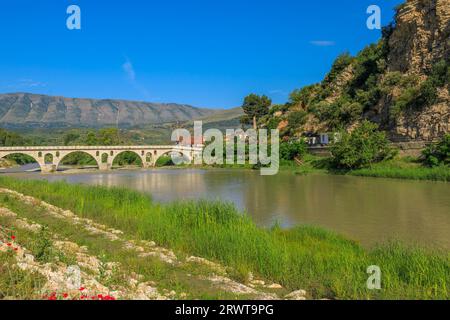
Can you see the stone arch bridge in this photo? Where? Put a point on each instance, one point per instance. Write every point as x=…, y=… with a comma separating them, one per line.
x=104, y=156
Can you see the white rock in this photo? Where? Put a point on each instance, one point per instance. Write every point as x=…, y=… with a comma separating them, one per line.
x=296, y=295
x=274, y=286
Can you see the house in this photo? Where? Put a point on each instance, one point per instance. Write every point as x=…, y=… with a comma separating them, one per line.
x=320, y=139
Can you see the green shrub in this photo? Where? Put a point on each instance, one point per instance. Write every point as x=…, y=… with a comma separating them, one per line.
x=440, y=73
x=350, y=111
x=304, y=96
x=164, y=161
x=292, y=149
x=339, y=65
x=364, y=146
x=370, y=63
x=128, y=158
x=417, y=96
x=273, y=123
x=297, y=118
x=78, y=158
x=438, y=153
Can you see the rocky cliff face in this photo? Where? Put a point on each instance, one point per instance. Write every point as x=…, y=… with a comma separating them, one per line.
x=421, y=38
x=401, y=82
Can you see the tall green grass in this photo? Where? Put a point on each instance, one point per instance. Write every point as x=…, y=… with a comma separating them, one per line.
x=441, y=173
x=325, y=264
x=398, y=168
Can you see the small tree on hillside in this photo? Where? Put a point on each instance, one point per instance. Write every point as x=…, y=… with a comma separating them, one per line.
x=255, y=107
x=364, y=146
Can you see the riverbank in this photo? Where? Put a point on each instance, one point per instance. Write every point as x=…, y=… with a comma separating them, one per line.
x=398, y=168
x=41, y=246
x=324, y=264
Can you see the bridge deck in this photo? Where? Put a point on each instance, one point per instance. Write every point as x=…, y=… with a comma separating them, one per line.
x=90, y=148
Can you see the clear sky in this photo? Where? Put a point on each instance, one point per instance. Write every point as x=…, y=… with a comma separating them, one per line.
x=207, y=53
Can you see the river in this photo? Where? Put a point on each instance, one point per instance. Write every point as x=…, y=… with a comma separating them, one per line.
x=369, y=210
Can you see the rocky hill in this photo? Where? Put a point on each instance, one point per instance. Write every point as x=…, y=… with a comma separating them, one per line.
x=24, y=110
x=420, y=41
x=401, y=82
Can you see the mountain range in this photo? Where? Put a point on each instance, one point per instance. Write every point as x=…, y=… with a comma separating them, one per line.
x=26, y=110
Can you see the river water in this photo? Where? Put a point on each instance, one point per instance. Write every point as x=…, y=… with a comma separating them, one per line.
x=369, y=210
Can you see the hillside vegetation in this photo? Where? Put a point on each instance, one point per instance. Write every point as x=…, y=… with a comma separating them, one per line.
x=397, y=83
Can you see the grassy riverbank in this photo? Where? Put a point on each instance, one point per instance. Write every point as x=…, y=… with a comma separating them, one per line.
x=390, y=170
x=398, y=168
x=323, y=263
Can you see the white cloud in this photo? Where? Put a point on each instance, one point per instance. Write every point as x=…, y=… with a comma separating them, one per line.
x=129, y=70
x=323, y=43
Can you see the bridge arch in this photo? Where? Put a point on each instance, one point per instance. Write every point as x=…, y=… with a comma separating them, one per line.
x=186, y=155
x=148, y=157
x=137, y=153
x=104, y=157
x=4, y=155
x=49, y=158
x=35, y=157
x=63, y=156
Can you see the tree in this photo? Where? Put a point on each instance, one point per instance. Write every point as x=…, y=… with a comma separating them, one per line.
x=292, y=149
x=8, y=139
x=255, y=107
x=296, y=119
x=364, y=146
x=91, y=138
x=339, y=65
x=438, y=153
x=70, y=138
x=303, y=97
x=108, y=137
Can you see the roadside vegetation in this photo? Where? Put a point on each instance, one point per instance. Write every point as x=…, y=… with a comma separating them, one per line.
x=367, y=152
x=376, y=159
x=326, y=265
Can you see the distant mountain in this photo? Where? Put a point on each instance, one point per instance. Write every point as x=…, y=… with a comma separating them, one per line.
x=25, y=110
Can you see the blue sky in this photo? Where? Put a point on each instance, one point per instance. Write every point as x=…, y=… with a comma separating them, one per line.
x=207, y=53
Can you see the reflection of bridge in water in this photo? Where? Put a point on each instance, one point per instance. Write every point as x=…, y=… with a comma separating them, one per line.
x=49, y=158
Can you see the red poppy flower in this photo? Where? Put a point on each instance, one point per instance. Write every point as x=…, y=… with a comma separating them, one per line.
x=9, y=244
x=82, y=288
x=13, y=237
x=65, y=295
